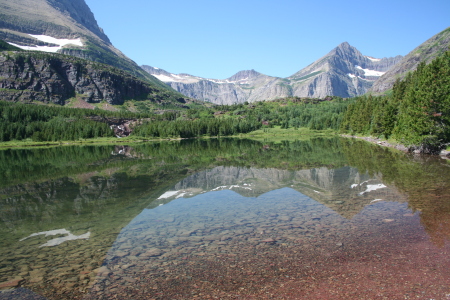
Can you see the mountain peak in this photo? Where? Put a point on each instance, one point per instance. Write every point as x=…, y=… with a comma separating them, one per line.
x=247, y=74
x=345, y=50
x=56, y=18
x=344, y=45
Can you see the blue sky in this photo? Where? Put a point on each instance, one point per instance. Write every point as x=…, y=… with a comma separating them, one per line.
x=217, y=38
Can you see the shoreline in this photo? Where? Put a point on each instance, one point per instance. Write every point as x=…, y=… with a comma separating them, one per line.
x=254, y=135
x=444, y=153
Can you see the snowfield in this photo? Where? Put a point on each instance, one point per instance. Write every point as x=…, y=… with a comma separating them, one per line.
x=373, y=59
x=164, y=78
x=368, y=72
x=49, y=39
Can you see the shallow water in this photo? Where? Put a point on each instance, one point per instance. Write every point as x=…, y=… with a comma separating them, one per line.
x=320, y=219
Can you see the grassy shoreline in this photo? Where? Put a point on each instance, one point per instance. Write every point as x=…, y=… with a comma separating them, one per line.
x=266, y=134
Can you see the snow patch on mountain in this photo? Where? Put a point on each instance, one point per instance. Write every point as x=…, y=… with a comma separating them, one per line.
x=226, y=81
x=372, y=58
x=368, y=72
x=52, y=40
x=218, y=81
x=182, y=78
x=61, y=42
x=164, y=78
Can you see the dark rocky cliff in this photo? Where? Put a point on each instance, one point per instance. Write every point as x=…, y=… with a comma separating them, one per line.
x=55, y=78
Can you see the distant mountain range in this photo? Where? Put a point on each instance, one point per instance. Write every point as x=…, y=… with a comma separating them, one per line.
x=69, y=27
x=343, y=72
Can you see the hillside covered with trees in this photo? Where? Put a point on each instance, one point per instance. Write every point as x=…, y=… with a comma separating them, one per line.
x=416, y=114
x=316, y=114
x=52, y=123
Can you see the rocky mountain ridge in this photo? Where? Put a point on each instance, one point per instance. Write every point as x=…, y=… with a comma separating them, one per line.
x=426, y=52
x=343, y=72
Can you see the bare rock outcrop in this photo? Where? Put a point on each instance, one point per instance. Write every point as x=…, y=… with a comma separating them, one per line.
x=55, y=78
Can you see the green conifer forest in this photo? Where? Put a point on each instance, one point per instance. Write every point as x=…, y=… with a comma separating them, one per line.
x=416, y=114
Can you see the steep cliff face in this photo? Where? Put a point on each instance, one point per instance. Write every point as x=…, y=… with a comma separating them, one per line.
x=343, y=72
x=426, y=52
x=223, y=94
x=81, y=14
x=46, y=25
x=54, y=78
x=57, y=18
x=244, y=86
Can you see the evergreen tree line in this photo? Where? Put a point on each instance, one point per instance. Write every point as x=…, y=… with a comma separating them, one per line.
x=293, y=112
x=195, y=128
x=242, y=118
x=417, y=113
x=320, y=116
x=48, y=123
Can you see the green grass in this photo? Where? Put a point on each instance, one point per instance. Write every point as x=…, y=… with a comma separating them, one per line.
x=97, y=141
x=277, y=133
x=308, y=76
x=4, y=46
x=9, y=90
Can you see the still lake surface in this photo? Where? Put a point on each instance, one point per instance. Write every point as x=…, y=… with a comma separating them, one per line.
x=224, y=219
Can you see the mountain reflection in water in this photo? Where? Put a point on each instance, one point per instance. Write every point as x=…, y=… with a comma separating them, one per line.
x=226, y=219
